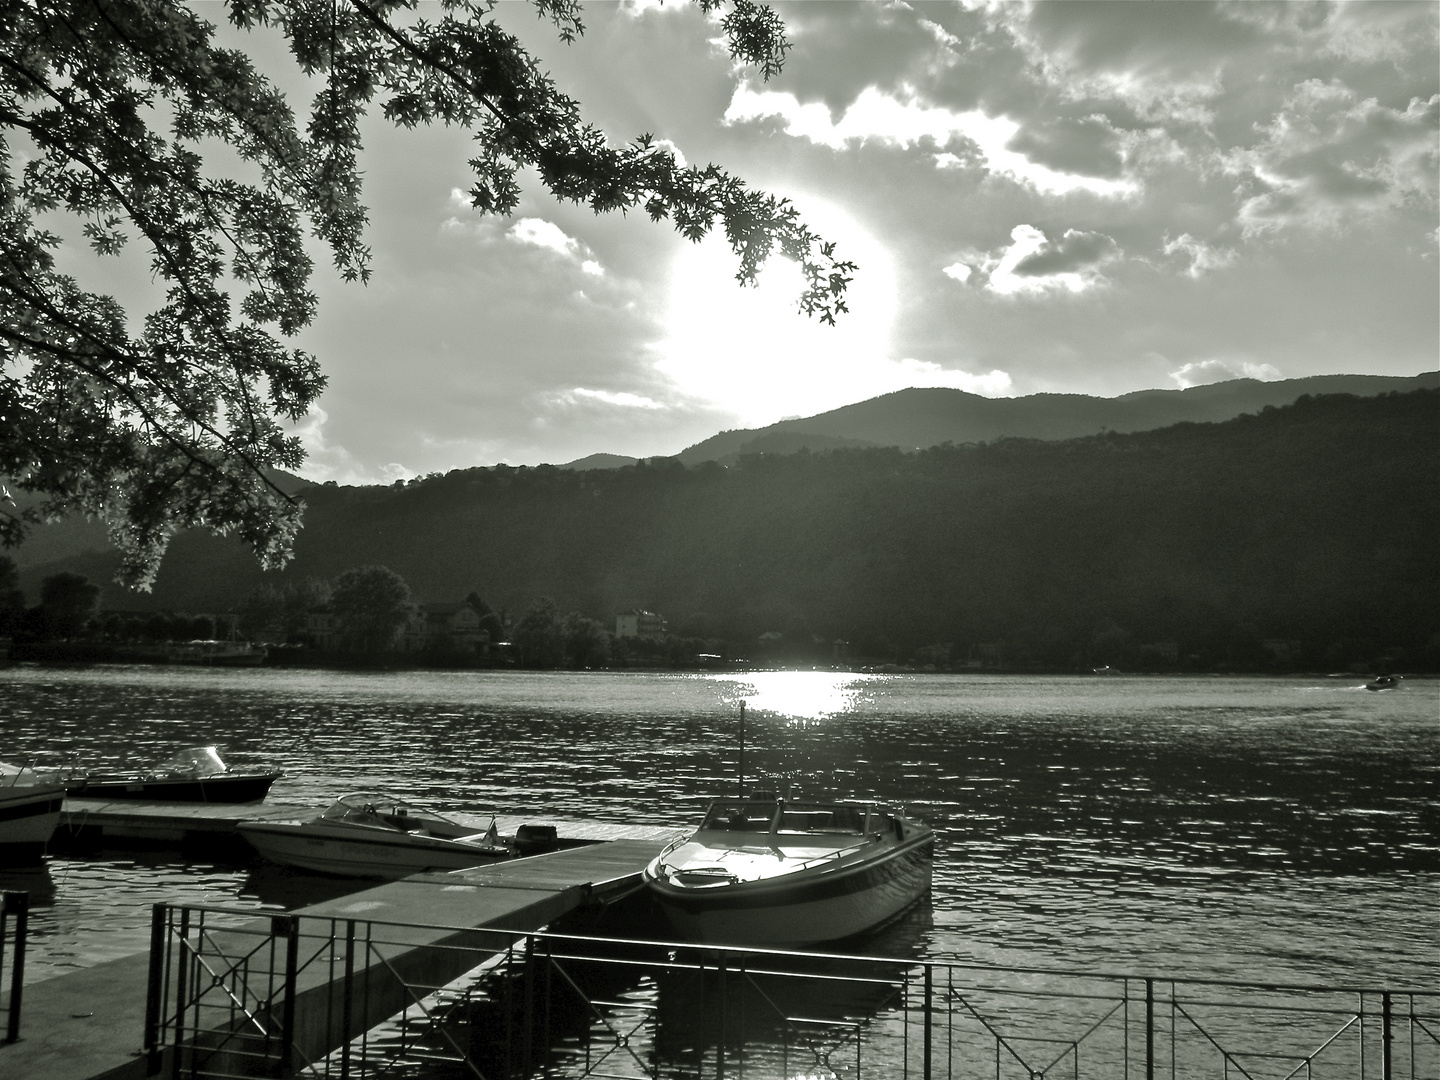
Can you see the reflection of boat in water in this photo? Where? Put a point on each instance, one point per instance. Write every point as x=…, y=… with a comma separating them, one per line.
x=33, y=879
x=371, y=835
x=29, y=812
x=1384, y=682
x=760, y=872
x=194, y=775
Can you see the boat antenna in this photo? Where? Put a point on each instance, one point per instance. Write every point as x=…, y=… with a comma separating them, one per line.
x=742, y=748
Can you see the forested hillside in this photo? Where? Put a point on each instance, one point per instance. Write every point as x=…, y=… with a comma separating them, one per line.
x=926, y=416
x=1304, y=535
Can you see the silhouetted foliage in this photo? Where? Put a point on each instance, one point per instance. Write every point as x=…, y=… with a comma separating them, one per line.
x=371, y=605
x=540, y=635
x=68, y=602
x=12, y=600
x=284, y=607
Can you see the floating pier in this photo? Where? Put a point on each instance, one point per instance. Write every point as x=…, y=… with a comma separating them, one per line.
x=90, y=1025
x=189, y=826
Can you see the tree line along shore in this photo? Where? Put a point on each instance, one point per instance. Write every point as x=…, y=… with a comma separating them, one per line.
x=1300, y=538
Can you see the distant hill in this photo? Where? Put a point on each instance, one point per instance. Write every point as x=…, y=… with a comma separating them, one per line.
x=916, y=418
x=1309, y=529
x=599, y=461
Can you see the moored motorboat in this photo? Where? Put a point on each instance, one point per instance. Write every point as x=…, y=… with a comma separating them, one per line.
x=777, y=873
x=217, y=653
x=368, y=834
x=29, y=812
x=194, y=775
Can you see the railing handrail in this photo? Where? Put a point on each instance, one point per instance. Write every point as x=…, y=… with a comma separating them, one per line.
x=885, y=961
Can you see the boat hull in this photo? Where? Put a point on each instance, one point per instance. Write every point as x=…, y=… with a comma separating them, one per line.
x=224, y=788
x=29, y=816
x=325, y=852
x=802, y=908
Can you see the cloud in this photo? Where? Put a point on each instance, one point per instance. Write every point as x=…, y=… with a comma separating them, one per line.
x=1204, y=372
x=906, y=122
x=1200, y=258
x=1328, y=155
x=326, y=461
x=959, y=271
x=622, y=400
x=1075, y=251
x=1035, y=264
x=910, y=372
x=528, y=231
x=544, y=234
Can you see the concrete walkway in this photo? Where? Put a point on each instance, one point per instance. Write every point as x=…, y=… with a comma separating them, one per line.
x=89, y=1025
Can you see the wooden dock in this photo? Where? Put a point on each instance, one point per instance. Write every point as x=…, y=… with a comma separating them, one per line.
x=89, y=1025
x=188, y=826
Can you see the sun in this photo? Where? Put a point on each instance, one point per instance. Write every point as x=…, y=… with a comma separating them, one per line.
x=748, y=351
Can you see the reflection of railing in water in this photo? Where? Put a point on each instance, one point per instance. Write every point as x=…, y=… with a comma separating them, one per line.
x=16, y=904
x=307, y=996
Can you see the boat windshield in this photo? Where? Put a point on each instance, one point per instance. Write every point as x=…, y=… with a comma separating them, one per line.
x=376, y=808
x=196, y=761
x=739, y=815
x=824, y=818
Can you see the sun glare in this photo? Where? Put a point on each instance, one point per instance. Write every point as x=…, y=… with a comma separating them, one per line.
x=750, y=352
x=800, y=695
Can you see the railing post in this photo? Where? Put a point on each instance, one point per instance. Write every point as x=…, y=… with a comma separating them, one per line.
x=1385, y=1035
x=1149, y=1029
x=527, y=1044
x=347, y=1000
x=153, y=990
x=19, y=903
x=925, y=1014
x=289, y=926
x=182, y=1005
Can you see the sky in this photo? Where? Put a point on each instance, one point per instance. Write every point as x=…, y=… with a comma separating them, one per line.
x=1065, y=197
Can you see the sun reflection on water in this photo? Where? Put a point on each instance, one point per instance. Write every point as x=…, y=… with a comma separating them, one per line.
x=800, y=696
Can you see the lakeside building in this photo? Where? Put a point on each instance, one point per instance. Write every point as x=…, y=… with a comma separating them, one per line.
x=639, y=624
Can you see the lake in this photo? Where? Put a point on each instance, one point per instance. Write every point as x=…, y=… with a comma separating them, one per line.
x=1248, y=828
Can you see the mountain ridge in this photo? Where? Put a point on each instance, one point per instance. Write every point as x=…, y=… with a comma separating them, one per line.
x=1310, y=528
x=917, y=417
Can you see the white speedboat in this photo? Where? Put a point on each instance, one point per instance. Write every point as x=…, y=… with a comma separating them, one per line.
x=777, y=873
x=374, y=836
x=29, y=813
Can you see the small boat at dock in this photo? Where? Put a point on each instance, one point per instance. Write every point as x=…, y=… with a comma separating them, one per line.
x=777, y=873
x=216, y=653
x=194, y=775
x=372, y=835
x=29, y=813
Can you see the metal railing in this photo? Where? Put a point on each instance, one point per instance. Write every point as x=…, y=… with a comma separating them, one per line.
x=14, y=910
x=344, y=997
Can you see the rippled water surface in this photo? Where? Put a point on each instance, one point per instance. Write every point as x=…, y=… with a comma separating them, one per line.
x=1200, y=827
